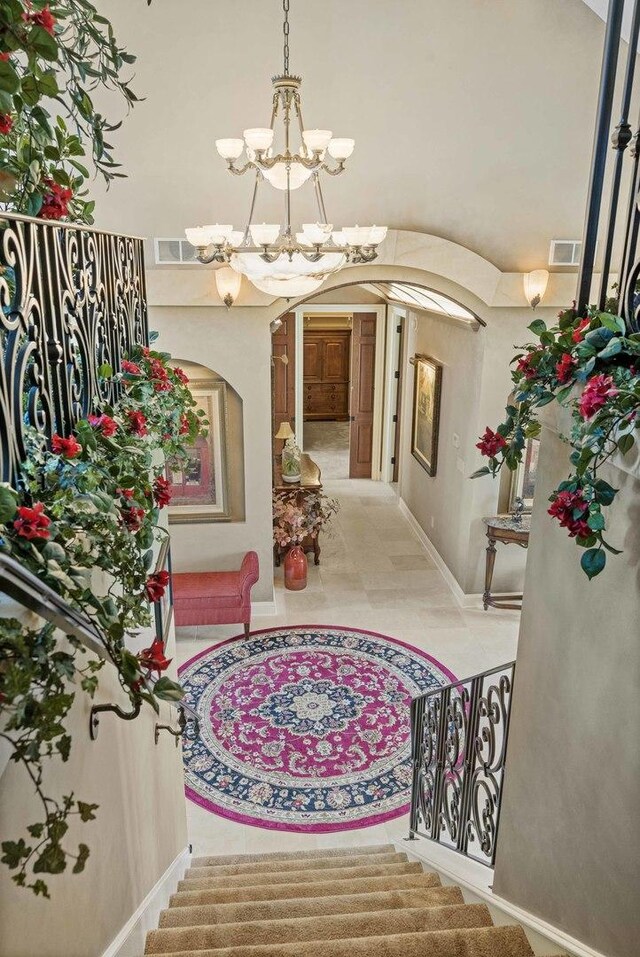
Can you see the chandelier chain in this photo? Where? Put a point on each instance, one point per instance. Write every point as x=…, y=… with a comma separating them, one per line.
x=285, y=31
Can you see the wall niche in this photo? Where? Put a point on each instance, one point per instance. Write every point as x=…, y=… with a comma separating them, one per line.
x=211, y=486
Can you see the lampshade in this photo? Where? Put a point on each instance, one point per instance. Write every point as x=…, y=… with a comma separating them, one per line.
x=285, y=431
x=316, y=233
x=228, y=283
x=341, y=149
x=277, y=175
x=264, y=234
x=254, y=267
x=230, y=148
x=217, y=234
x=377, y=234
x=198, y=236
x=316, y=140
x=357, y=235
x=259, y=138
x=535, y=286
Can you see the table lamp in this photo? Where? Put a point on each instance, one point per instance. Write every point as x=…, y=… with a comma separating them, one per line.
x=290, y=453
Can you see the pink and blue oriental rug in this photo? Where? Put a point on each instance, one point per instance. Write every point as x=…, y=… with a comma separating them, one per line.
x=305, y=728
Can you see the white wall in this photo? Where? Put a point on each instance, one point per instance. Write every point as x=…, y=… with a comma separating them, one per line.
x=237, y=345
x=475, y=385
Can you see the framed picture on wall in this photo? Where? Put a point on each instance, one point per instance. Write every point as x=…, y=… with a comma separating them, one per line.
x=199, y=486
x=523, y=480
x=427, y=390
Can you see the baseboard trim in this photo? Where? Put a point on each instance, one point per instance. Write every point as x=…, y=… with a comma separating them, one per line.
x=262, y=608
x=476, y=879
x=464, y=600
x=130, y=941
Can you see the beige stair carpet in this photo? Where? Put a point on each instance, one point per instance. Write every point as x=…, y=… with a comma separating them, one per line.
x=343, y=902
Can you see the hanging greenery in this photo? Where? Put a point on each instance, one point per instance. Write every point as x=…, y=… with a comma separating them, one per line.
x=54, y=56
x=591, y=365
x=88, y=501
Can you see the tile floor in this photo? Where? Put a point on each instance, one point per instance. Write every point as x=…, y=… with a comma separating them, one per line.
x=328, y=445
x=374, y=574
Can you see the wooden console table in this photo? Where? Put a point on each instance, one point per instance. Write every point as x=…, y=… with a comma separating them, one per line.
x=309, y=482
x=510, y=531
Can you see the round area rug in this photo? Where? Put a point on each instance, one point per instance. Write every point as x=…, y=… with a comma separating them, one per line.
x=305, y=728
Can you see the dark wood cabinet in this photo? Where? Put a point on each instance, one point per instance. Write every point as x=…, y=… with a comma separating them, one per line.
x=326, y=374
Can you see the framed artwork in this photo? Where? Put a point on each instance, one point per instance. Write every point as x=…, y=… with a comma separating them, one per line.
x=427, y=390
x=199, y=487
x=523, y=480
x=163, y=609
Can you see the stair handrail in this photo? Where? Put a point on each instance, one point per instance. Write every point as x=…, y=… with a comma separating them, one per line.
x=459, y=735
x=19, y=583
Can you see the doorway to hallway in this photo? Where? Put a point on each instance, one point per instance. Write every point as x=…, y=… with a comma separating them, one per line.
x=328, y=445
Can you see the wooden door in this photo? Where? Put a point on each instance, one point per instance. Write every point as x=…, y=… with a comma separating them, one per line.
x=363, y=361
x=336, y=356
x=283, y=377
x=312, y=350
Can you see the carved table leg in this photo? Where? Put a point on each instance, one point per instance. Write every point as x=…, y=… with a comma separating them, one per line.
x=488, y=575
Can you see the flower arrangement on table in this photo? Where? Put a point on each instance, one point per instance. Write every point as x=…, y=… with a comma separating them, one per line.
x=88, y=501
x=296, y=517
x=589, y=364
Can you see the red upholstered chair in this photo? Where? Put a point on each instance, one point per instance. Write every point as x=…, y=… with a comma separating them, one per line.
x=216, y=598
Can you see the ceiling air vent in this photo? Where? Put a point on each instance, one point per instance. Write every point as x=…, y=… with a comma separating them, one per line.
x=174, y=252
x=565, y=252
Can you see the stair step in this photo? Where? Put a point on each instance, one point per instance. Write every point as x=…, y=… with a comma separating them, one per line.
x=291, y=877
x=293, y=855
x=210, y=914
x=295, y=864
x=477, y=942
x=329, y=888
x=311, y=929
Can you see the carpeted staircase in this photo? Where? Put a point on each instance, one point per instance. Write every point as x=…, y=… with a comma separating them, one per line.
x=341, y=902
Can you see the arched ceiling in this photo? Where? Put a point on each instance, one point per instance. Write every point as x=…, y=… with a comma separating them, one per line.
x=473, y=119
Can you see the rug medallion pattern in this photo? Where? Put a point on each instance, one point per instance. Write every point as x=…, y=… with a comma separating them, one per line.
x=305, y=728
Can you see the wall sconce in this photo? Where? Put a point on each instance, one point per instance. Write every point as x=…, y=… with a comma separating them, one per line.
x=284, y=359
x=535, y=286
x=228, y=283
x=274, y=325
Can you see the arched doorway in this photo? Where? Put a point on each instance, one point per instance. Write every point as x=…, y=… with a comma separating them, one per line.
x=337, y=375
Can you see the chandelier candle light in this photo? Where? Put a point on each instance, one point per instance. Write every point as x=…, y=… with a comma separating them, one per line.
x=274, y=258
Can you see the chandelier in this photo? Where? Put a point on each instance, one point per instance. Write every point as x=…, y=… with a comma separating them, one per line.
x=274, y=258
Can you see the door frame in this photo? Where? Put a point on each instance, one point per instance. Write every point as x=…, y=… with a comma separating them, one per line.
x=392, y=386
x=378, y=383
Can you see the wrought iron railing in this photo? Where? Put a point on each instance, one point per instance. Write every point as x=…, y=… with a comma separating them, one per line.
x=72, y=299
x=459, y=739
x=622, y=135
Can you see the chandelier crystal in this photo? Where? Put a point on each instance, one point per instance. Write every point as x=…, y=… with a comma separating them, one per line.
x=272, y=256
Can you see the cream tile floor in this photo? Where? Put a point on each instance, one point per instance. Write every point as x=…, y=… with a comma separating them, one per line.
x=374, y=574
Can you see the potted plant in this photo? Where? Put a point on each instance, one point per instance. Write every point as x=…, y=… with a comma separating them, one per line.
x=294, y=521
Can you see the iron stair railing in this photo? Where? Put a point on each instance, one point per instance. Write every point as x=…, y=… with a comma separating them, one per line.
x=459, y=739
x=18, y=583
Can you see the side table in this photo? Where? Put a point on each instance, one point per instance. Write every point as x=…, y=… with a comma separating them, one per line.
x=508, y=530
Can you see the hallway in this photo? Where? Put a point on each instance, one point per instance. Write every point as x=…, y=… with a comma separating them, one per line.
x=328, y=445
x=374, y=574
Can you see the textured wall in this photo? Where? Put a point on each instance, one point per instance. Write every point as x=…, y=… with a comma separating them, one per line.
x=140, y=829
x=569, y=848
x=237, y=345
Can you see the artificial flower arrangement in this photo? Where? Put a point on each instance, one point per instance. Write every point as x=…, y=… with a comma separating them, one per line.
x=589, y=364
x=56, y=54
x=294, y=520
x=88, y=501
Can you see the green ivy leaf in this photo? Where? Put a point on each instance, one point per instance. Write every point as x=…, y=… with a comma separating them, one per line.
x=537, y=327
x=8, y=501
x=485, y=470
x=52, y=860
x=614, y=323
x=13, y=852
x=613, y=348
x=604, y=493
x=83, y=854
x=168, y=690
x=593, y=561
x=86, y=811
x=626, y=442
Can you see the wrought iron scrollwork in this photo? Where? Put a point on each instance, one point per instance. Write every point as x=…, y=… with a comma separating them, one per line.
x=71, y=300
x=459, y=740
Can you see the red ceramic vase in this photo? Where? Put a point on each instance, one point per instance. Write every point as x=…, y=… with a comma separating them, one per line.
x=295, y=569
